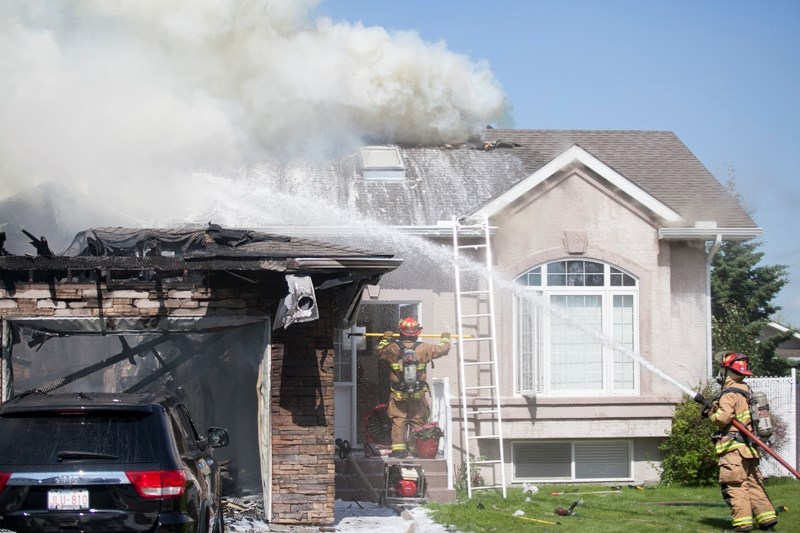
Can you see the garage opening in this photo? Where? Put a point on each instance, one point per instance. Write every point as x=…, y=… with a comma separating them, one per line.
x=212, y=364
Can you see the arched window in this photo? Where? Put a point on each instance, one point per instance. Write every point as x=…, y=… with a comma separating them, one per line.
x=576, y=322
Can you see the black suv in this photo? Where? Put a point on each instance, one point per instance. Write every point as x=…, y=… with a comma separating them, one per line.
x=106, y=462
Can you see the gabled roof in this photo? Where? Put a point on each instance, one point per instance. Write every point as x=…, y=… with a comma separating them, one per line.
x=653, y=167
x=571, y=156
x=657, y=162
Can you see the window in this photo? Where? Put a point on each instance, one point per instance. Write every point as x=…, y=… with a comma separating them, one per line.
x=574, y=328
x=382, y=163
x=580, y=460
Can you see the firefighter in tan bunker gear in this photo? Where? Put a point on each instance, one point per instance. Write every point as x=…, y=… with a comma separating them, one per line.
x=408, y=395
x=739, y=476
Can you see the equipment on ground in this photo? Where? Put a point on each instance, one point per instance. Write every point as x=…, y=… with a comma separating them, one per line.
x=753, y=438
x=560, y=511
x=404, y=483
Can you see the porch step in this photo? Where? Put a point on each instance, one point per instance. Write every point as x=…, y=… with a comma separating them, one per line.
x=349, y=486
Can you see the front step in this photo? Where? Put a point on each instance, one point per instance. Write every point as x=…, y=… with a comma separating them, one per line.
x=350, y=488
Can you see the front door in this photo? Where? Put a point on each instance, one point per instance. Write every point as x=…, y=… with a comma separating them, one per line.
x=361, y=382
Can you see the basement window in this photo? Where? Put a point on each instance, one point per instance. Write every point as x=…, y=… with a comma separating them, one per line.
x=382, y=163
x=580, y=460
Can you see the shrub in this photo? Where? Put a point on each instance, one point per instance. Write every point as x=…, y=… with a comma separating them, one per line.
x=688, y=452
x=476, y=479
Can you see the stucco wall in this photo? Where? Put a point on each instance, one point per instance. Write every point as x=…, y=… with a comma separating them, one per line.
x=672, y=313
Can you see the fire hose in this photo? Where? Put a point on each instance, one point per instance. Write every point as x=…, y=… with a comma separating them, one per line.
x=761, y=444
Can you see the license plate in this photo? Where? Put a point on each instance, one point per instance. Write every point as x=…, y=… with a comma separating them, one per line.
x=67, y=500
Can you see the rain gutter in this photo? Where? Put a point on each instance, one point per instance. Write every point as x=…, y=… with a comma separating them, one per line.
x=441, y=229
x=710, y=233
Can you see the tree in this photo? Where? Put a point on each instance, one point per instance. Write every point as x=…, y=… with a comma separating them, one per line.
x=742, y=294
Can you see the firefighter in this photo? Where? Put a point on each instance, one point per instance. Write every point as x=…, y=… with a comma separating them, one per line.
x=739, y=476
x=408, y=395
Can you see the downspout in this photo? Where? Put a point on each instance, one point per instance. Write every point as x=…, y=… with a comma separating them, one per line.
x=709, y=258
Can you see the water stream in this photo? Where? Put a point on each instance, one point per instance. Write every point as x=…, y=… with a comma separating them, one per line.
x=255, y=205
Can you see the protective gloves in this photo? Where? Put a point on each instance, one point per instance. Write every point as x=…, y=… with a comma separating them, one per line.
x=446, y=336
x=386, y=340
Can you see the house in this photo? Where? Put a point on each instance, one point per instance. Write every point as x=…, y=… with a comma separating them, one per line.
x=600, y=245
x=790, y=349
x=240, y=323
x=614, y=228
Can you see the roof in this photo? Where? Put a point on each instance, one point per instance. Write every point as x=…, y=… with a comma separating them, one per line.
x=213, y=248
x=446, y=182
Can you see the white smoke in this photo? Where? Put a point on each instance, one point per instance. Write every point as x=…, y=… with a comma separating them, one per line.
x=120, y=97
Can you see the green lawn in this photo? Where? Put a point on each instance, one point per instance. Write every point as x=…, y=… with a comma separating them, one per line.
x=661, y=509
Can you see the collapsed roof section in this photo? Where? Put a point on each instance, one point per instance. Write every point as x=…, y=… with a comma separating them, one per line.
x=129, y=258
x=213, y=248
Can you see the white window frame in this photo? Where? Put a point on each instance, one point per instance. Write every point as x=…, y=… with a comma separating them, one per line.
x=573, y=463
x=541, y=380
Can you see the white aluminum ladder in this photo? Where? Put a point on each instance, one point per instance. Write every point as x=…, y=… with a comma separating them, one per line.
x=482, y=427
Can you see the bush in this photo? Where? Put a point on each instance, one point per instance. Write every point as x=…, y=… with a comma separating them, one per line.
x=688, y=452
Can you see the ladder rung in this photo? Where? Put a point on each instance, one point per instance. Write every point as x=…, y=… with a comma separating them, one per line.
x=483, y=411
x=472, y=293
x=484, y=487
x=480, y=315
x=473, y=339
x=476, y=363
x=486, y=462
x=483, y=437
x=481, y=387
x=475, y=246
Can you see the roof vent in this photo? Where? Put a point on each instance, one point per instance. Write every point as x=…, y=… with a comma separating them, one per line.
x=382, y=163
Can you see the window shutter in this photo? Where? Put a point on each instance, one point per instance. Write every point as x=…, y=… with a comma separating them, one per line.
x=602, y=460
x=543, y=460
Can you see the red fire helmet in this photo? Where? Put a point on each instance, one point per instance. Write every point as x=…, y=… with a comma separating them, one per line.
x=736, y=362
x=410, y=327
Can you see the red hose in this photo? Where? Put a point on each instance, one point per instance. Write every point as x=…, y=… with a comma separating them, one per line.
x=738, y=425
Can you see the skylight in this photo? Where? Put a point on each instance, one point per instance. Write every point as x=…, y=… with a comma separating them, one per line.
x=382, y=163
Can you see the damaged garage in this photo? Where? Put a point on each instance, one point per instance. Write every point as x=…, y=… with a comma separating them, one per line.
x=239, y=323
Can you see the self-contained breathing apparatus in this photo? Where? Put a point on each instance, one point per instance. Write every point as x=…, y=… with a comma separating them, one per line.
x=759, y=411
x=756, y=400
x=409, y=369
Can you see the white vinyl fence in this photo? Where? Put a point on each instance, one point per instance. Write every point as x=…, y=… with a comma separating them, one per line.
x=782, y=395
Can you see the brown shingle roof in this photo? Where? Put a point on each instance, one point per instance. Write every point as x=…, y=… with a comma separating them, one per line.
x=656, y=161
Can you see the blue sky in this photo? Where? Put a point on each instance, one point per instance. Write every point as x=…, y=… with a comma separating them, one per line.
x=723, y=75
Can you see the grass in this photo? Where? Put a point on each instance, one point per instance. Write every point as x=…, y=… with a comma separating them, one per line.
x=627, y=510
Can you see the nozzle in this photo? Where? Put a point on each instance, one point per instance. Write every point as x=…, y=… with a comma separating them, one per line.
x=699, y=399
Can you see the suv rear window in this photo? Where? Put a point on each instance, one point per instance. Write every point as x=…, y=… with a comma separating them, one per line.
x=39, y=438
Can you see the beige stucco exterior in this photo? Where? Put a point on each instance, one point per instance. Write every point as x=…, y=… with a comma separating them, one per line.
x=671, y=311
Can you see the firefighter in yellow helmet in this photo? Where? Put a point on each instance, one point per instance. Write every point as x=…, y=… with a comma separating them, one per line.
x=408, y=358
x=739, y=476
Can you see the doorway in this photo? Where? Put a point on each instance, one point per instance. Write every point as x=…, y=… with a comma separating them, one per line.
x=362, y=381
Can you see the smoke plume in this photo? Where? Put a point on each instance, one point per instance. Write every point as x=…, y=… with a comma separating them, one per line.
x=114, y=98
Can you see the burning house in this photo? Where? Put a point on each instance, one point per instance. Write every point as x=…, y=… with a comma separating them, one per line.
x=240, y=323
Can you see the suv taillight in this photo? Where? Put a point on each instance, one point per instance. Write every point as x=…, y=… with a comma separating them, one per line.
x=3, y=480
x=158, y=483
